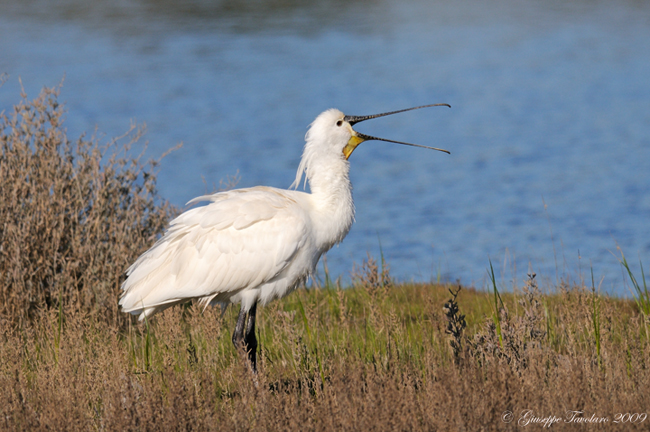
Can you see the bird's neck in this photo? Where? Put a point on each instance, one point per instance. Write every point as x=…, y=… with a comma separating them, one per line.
x=331, y=192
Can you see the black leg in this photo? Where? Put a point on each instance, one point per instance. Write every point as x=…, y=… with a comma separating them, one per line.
x=238, y=334
x=249, y=339
x=246, y=334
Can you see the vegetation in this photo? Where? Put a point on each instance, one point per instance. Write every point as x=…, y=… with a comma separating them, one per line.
x=374, y=356
x=69, y=224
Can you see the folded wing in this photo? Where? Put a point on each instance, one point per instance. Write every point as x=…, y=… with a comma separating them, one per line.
x=240, y=240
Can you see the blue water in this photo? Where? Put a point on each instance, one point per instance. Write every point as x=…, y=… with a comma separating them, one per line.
x=549, y=130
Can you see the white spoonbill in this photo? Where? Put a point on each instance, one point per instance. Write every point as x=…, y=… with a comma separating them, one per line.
x=257, y=244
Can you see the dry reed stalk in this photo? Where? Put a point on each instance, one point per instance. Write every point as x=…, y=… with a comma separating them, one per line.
x=73, y=215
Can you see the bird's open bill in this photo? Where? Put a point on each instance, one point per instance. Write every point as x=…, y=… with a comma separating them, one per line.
x=357, y=138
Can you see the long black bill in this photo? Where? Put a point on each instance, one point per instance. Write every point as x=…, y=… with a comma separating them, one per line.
x=370, y=137
x=352, y=120
x=356, y=119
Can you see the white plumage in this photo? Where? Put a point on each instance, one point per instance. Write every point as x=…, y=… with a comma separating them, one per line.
x=245, y=245
x=256, y=244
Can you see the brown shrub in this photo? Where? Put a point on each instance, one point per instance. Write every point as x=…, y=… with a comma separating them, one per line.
x=73, y=216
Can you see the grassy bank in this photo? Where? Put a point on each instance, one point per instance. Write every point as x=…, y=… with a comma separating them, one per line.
x=391, y=358
x=374, y=356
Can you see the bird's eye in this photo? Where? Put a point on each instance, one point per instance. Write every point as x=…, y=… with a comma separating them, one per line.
x=339, y=123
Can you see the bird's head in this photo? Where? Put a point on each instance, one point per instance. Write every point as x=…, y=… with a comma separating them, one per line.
x=333, y=129
x=331, y=138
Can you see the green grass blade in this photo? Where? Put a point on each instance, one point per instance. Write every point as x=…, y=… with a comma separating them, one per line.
x=497, y=298
x=595, y=317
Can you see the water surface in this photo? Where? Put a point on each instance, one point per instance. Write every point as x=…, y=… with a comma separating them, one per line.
x=549, y=127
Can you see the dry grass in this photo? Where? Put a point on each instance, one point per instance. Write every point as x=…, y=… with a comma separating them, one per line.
x=69, y=224
x=376, y=356
x=330, y=359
